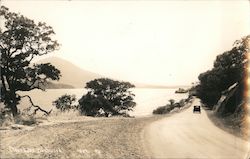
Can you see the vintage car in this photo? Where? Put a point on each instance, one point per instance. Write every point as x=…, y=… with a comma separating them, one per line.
x=197, y=109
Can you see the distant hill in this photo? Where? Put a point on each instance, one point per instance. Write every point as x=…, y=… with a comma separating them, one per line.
x=72, y=75
x=57, y=85
x=76, y=77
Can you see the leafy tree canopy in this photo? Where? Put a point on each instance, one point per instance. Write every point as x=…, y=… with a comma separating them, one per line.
x=228, y=69
x=107, y=97
x=65, y=102
x=21, y=40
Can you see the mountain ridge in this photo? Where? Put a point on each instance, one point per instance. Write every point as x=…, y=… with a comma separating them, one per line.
x=75, y=77
x=71, y=74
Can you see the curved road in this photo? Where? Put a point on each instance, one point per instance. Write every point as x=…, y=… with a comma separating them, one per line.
x=188, y=135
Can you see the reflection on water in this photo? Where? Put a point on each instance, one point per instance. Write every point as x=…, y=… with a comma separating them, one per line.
x=146, y=99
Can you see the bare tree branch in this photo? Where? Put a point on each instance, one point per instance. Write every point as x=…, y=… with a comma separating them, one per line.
x=36, y=106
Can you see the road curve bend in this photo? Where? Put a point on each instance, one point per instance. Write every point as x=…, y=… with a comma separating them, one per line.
x=189, y=135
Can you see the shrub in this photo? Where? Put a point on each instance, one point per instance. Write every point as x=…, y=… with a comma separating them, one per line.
x=171, y=106
x=65, y=102
x=107, y=97
x=5, y=116
x=24, y=119
x=162, y=110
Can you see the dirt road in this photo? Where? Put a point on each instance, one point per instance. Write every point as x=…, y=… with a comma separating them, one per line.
x=176, y=136
x=188, y=135
x=97, y=138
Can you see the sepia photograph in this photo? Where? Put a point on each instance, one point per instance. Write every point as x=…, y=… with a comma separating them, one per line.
x=125, y=79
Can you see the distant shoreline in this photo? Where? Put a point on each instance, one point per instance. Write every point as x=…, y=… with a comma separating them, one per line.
x=157, y=87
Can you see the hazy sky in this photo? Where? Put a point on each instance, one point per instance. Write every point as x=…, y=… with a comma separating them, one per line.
x=159, y=42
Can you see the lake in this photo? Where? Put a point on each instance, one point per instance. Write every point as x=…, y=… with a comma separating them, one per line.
x=146, y=99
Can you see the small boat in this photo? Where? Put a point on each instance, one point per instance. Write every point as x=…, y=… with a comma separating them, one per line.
x=181, y=90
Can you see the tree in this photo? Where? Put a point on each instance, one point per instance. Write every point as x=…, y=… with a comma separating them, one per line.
x=21, y=40
x=65, y=102
x=107, y=97
x=229, y=68
x=171, y=101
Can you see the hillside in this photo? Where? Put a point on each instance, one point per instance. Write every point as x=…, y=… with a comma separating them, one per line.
x=71, y=74
x=74, y=76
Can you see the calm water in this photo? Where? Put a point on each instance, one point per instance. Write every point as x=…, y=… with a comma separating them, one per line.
x=146, y=99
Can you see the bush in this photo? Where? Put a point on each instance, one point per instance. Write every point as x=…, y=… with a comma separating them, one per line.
x=162, y=110
x=107, y=97
x=65, y=102
x=171, y=106
x=24, y=119
x=95, y=106
x=165, y=109
x=5, y=116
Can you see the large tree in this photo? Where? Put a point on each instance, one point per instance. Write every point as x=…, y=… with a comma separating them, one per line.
x=107, y=97
x=229, y=68
x=21, y=40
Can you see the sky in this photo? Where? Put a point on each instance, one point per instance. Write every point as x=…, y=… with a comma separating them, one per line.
x=163, y=42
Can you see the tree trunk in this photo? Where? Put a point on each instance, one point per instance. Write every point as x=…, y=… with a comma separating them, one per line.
x=3, y=91
x=13, y=108
x=13, y=103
